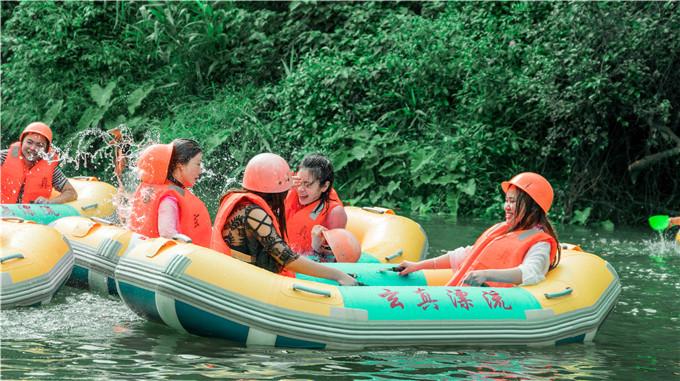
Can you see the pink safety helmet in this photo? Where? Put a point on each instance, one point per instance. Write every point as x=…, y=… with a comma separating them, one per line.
x=344, y=245
x=267, y=173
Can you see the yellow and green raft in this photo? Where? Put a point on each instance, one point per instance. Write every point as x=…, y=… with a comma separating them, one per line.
x=35, y=261
x=95, y=199
x=203, y=292
x=97, y=247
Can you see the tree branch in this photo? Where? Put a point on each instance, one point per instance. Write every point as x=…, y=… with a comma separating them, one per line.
x=647, y=161
x=669, y=133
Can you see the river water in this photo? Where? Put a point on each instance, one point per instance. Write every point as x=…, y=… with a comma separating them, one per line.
x=82, y=336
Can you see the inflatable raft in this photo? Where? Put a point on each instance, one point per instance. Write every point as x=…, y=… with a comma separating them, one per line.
x=97, y=247
x=203, y=292
x=31, y=269
x=385, y=236
x=95, y=199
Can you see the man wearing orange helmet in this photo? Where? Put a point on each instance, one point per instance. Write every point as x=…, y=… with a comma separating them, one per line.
x=520, y=250
x=250, y=223
x=29, y=170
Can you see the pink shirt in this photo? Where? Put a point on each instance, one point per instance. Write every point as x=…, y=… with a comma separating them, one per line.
x=168, y=217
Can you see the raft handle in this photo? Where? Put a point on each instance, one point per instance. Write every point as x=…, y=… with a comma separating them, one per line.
x=299, y=287
x=397, y=253
x=101, y=220
x=11, y=256
x=182, y=237
x=91, y=206
x=553, y=295
x=13, y=219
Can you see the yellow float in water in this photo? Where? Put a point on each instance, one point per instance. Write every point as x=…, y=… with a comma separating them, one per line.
x=200, y=291
x=386, y=236
x=95, y=199
x=97, y=247
x=34, y=262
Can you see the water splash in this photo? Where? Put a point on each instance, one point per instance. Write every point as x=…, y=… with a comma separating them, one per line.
x=92, y=152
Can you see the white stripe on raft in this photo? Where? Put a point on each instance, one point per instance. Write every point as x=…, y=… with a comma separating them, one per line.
x=257, y=337
x=166, y=309
x=97, y=282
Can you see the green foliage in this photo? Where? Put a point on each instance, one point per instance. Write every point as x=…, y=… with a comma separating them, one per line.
x=581, y=216
x=420, y=106
x=607, y=225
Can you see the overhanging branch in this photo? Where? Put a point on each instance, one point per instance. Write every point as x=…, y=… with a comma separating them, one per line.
x=646, y=161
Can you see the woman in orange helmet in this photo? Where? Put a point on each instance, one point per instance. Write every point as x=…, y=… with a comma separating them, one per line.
x=520, y=250
x=250, y=223
x=163, y=205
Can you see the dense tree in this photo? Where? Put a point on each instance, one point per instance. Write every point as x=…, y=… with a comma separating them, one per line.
x=421, y=106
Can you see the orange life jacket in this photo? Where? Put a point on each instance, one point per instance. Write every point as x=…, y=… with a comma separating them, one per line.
x=194, y=219
x=227, y=205
x=498, y=249
x=301, y=218
x=36, y=181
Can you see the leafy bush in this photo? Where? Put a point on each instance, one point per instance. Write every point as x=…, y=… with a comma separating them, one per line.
x=421, y=106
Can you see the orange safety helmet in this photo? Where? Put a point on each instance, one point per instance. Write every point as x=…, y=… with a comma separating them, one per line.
x=535, y=185
x=39, y=128
x=153, y=163
x=267, y=173
x=344, y=245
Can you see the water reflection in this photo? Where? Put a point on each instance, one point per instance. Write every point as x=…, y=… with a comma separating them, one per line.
x=86, y=336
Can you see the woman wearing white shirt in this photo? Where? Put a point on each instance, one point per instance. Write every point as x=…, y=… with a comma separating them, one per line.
x=520, y=250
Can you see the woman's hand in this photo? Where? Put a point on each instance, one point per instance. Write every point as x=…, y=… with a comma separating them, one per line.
x=319, y=243
x=347, y=280
x=408, y=267
x=476, y=278
x=296, y=180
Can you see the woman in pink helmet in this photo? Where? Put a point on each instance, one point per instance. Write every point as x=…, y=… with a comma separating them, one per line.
x=250, y=223
x=520, y=250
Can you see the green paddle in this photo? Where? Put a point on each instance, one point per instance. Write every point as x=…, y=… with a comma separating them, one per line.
x=659, y=223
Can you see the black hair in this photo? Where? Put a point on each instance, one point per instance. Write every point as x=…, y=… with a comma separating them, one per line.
x=528, y=214
x=322, y=170
x=183, y=150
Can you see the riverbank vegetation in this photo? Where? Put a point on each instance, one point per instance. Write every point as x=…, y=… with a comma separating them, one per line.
x=424, y=107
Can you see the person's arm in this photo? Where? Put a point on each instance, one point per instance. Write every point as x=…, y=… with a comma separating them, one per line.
x=258, y=220
x=68, y=194
x=452, y=259
x=531, y=271
x=311, y=268
x=168, y=217
x=61, y=184
x=479, y=277
x=337, y=218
